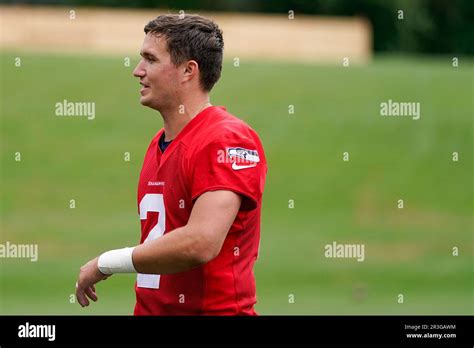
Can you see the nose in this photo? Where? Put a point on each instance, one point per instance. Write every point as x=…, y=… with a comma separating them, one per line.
x=139, y=71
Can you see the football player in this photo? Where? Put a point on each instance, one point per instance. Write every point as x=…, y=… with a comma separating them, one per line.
x=200, y=187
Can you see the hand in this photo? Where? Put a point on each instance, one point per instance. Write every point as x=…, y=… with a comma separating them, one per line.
x=89, y=275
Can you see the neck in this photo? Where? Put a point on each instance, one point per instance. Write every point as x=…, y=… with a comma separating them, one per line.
x=177, y=117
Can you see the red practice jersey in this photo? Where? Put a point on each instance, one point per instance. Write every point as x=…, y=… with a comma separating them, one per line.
x=214, y=151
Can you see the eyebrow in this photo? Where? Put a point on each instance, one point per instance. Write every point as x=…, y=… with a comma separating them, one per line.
x=146, y=54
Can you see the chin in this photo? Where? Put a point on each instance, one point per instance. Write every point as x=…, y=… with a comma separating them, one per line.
x=145, y=101
x=149, y=103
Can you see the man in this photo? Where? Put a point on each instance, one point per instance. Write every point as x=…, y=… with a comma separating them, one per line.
x=200, y=188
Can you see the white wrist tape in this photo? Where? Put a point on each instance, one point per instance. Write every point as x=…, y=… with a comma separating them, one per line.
x=117, y=261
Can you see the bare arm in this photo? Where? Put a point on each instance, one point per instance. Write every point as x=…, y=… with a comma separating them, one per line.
x=182, y=249
x=192, y=245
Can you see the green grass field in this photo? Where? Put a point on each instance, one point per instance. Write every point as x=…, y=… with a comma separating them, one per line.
x=407, y=251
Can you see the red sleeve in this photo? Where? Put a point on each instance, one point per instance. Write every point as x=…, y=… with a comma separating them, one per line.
x=233, y=163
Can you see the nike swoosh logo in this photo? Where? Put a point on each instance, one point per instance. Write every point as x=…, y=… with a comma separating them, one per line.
x=235, y=166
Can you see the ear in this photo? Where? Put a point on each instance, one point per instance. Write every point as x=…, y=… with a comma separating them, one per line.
x=191, y=70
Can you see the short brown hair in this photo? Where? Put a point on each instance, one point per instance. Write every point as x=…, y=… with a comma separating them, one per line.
x=192, y=37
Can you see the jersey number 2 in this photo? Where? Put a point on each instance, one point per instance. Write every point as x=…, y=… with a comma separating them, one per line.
x=152, y=202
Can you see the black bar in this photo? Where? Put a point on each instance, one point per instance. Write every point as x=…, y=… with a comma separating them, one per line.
x=291, y=330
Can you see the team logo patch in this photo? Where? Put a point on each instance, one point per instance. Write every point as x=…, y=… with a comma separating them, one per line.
x=242, y=158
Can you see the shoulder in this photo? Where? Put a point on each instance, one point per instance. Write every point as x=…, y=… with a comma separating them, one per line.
x=223, y=127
